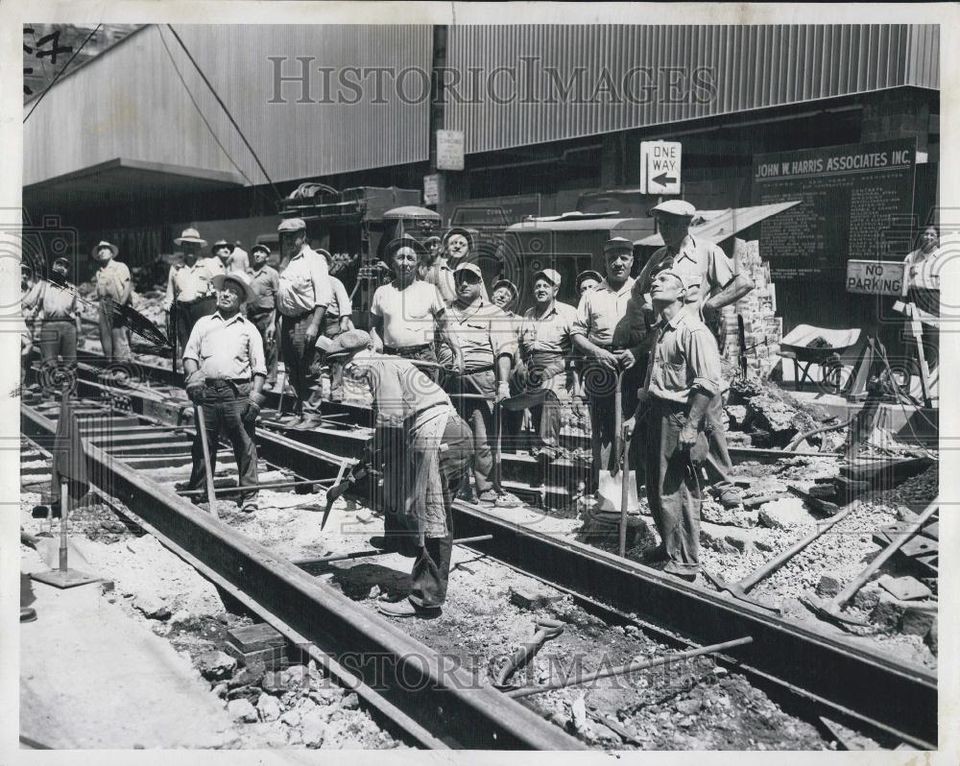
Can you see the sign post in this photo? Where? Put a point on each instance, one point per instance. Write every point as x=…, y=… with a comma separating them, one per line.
x=660, y=167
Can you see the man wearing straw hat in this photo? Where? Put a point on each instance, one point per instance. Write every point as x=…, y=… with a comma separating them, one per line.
x=190, y=291
x=232, y=258
x=114, y=286
x=224, y=366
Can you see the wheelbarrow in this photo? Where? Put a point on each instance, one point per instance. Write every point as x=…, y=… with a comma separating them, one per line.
x=807, y=345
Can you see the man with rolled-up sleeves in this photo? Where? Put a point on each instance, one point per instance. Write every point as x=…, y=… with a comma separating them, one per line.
x=224, y=366
x=683, y=377
x=302, y=299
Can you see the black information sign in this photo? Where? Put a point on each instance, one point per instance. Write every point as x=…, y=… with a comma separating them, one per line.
x=856, y=205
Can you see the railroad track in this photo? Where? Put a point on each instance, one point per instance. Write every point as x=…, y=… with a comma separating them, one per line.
x=797, y=665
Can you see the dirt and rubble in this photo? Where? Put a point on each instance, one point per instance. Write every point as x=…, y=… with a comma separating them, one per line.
x=295, y=707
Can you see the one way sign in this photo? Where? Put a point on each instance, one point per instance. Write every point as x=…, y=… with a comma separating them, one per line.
x=660, y=167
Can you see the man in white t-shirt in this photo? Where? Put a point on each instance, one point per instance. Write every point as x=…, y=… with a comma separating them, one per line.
x=407, y=314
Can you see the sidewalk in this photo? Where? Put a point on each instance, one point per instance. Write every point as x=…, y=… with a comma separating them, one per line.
x=94, y=677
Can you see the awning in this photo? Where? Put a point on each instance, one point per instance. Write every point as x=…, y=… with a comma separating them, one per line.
x=121, y=181
x=718, y=225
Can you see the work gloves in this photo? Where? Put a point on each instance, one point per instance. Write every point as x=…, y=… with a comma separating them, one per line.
x=254, y=403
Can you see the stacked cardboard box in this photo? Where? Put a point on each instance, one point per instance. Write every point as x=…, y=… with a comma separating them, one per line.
x=763, y=329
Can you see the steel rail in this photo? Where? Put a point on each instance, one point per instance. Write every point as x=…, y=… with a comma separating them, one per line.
x=429, y=687
x=899, y=698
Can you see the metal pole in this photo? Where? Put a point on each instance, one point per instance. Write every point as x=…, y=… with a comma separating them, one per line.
x=619, y=444
x=64, y=498
x=208, y=470
x=270, y=485
x=631, y=668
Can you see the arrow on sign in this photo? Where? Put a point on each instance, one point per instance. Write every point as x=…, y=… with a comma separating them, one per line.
x=663, y=179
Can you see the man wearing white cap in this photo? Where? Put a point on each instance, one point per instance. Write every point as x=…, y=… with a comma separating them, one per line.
x=545, y=367
x=224, y=366
x=682, y=378
x=302, y=300
x=190, y=291
x=598, y=314
x=485, y=336
x=713, y=284
x=114, y=286
x=427, y=449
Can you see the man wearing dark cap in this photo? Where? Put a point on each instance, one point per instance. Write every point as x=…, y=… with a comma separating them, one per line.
x=456, y=247
x=598, y=314
x=587, y=280
x=114, y=286
x=262, y=306
x=486, y=339
x=427, y=449
x=682, y=378
x=302, y=300
x=545, y=367
x=713, y=284
x=232, y=258
x=224, y=367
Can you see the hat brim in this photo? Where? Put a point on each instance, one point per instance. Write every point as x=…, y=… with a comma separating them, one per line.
x=218, y=245
x=112, y=248
x=653, y=213
x=220, y=281
x=190, y=240
x=546, y=277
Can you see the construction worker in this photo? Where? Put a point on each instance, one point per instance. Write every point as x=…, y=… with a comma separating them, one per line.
x=338, y=319
x=408, y=313
x=505, y=295
x=485, y=336
x=427, y=449
x=455, y=247
x=58, y=314
x=682, y=378
x=714, y=283
x=231, y=257
x=190, y=291
x=225, y=369
x=262, y=306
x=587, y=280
x=601, y=309
x=114, y=286
x=545, y=368
x=302, y=300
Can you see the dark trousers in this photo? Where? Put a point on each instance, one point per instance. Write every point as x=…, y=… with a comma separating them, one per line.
x=262, y=320
x=720, y=466
x=224, y=405
x=478, y=414
x=600, y=384
x=113, y=333
x=297, y=354
x=58, y=338
x=188, y=314
x=425, y=353
x=431, y=570
x=673, y=488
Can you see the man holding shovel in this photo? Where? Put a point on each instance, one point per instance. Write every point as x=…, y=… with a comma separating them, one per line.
x=225, y=369
x=683, y=376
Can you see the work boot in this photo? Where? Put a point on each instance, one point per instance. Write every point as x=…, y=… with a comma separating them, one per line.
x=28, y=614
x=406, y=608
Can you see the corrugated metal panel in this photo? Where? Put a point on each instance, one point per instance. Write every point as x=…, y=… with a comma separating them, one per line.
x=752, y=67
x=131, y=103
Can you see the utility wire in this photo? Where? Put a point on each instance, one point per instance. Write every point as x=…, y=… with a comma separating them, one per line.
x=200, y=111
x=57, y=77
x=225, y=110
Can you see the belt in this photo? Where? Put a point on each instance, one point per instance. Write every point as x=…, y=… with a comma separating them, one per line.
x=475, y=370
x=228, y=381
x=394, y=351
